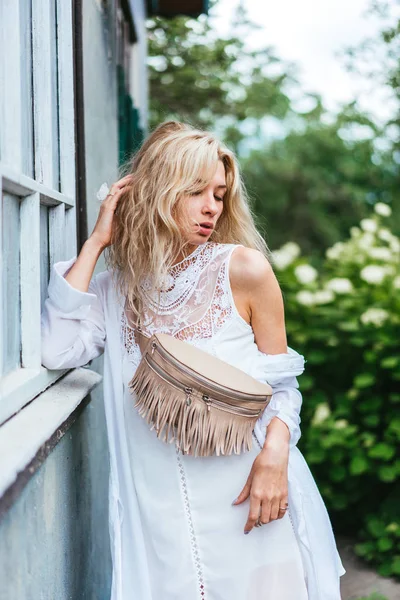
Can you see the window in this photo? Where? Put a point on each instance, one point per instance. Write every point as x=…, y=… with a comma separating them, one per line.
x=130, y=132
x=37, y=182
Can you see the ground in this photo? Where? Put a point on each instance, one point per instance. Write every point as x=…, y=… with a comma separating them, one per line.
x=360, y=580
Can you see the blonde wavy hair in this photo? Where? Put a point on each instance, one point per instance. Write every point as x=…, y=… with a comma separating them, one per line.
x=149, y=227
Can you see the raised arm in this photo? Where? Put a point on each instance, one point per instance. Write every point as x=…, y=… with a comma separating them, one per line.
x=73, y=328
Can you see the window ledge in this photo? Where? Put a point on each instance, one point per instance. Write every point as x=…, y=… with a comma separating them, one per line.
x=28, y=437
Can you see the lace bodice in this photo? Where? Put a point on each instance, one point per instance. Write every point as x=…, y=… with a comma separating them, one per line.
x=195, y=302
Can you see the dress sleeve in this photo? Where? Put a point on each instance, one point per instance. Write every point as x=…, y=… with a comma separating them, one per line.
x=281, y=371
x=72, y=322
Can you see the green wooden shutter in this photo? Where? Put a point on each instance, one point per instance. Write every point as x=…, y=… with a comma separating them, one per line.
x=130, y=133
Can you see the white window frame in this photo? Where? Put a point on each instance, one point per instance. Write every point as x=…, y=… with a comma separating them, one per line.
x=46, y=186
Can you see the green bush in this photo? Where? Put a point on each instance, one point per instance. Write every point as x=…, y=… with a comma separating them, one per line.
x=345, y=319
x=380, y=537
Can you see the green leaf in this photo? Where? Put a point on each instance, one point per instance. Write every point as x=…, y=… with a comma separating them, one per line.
x=364, y=380
x=396, y=565
x=371, y=420
x=337, y=473
x=358, y=341
x=358, y=465
x=392, y=527
x=385, y=570
x=348, y=326
x=364, y=548
x=369, y=356
x=390, y=362
x=387, y=473
x=316, y=357
x=394, y=427
x=370, y=405
x=382, y=450
x=306, y=383
x=375, y=527
x=385, y=544
x=394, y=397
x=316, y=456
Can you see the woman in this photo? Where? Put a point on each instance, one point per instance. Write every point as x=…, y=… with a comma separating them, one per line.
x=185, y=256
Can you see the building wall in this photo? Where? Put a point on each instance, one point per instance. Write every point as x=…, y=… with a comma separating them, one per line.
x=101, y=110
x=101, y=97
x=54, y=539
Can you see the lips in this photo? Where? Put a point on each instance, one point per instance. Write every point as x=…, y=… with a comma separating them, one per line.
x=206, y=225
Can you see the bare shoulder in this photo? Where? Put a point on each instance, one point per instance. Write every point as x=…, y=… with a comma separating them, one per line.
x=249, y=268
x=260, y=297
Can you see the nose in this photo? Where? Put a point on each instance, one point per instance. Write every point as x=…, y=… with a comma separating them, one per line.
x=210, y=205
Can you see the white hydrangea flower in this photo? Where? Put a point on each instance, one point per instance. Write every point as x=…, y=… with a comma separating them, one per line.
x=395, y=244
x=341, y=424
x=284, y=256
x=396, y=283
x=382, y=209
x=323, y=296
x=369, y=225
x=374, y=316
x=340, y=285
x=335, y=251
x=305, y=297
x=373, y=274
x=305, y=273
x=380, y=254
x=365, y=241
x=355, y=232
x=322, y=412
x=281, y=259
x=292, y=248
x=385, y=235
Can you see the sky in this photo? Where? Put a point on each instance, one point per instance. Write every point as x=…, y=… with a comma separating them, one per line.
x=310, y=34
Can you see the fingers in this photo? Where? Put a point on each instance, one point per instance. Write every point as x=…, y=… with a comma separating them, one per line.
x=264, y=510
x=244, y=494
x=124, y=181
x=114, y=195
x=254, y=513
x=119, y=186
x=284, y=503
x=274, y=510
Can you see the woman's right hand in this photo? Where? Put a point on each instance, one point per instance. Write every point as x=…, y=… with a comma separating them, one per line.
x=102, y=231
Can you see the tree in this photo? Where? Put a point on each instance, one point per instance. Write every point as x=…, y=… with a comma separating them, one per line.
x=311, y=184
x=377, y=59
x=212, y=82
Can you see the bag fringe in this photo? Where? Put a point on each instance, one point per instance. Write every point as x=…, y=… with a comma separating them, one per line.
x=198, y=431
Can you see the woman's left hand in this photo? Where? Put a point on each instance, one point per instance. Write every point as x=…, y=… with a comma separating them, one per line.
x=267, y=485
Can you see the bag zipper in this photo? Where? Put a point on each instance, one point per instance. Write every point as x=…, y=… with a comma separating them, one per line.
x=245, y=412
x=191, y=373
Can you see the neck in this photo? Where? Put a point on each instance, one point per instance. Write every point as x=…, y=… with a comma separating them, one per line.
x=189, y=249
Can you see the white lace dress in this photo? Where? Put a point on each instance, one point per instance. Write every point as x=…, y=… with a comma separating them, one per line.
x=194, y=540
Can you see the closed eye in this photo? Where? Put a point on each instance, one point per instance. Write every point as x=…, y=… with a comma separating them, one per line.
x=198, y=193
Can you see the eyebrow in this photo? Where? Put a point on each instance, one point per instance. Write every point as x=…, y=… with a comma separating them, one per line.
x=222, y=186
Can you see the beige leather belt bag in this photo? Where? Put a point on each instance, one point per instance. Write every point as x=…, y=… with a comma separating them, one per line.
x=207, y=405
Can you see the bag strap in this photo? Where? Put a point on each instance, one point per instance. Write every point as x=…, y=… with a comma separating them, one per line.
x=144, y=338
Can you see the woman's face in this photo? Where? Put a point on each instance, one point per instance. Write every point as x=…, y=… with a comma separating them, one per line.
x=205, y=208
